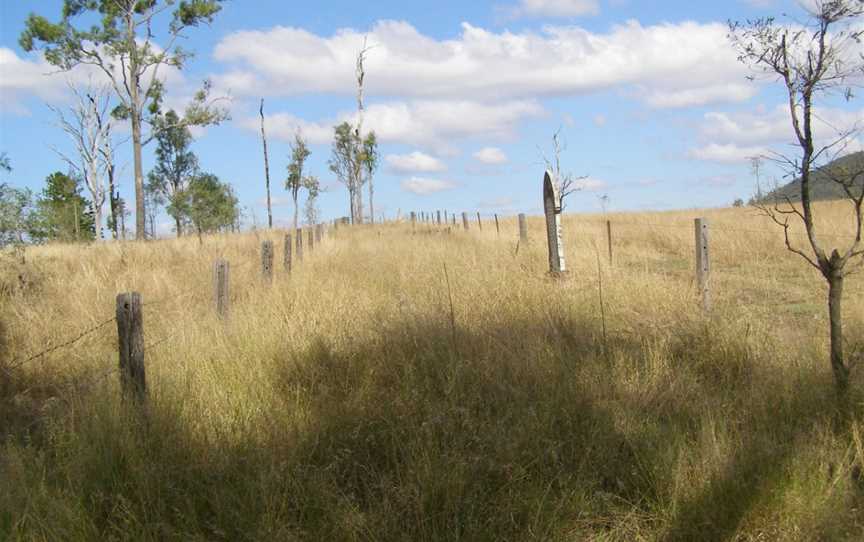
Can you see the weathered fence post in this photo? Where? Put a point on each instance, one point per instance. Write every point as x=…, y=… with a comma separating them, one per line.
x=221, y=278
x=609, y=238
x=703, y=264
x=298, y=245
x=286, y=257
x=552, y=209
x=311, y=236
x=439, y=218
x=413, y=220
x=267, y=261
x=479, y=223
x=497, y=227
x=465, y=221
x=130, y=339
x=523, y=229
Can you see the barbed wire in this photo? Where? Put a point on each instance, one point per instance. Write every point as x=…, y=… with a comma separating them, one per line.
x=89, y=331
x=717, y=228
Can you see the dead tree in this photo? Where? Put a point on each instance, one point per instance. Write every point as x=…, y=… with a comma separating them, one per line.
x=266, y=167
x=814, y=59
x=565, y=183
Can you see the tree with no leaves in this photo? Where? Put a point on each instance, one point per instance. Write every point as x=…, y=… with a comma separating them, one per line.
x=566, y=182
x=813, y=60
x=122, y=47
x=88, y=125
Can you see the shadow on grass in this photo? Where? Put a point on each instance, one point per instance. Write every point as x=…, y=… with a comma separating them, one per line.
x=521, y=430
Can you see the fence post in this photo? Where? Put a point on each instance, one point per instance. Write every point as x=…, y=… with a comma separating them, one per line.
x=221, y=277
x=267, y=261
x=311, y=236
x=286, y=257
x=130, y=335
x=413, y=220
x=523, y=229
x=453, y=216
x=298, y=245
x=479, y=223
x=465, y=221
x=319, y=233
x=609, y=238
x=497, y=227
x=703, y=264
x=552, y=209
x=439, y=218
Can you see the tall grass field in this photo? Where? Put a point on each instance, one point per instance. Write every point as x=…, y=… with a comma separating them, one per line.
x=434, y=384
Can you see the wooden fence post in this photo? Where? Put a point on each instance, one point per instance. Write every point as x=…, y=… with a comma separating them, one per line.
x=479, y=223
x=298, y=245
x=286, y=256
x=130, y=335
x=703, y=263
x=609, y=238
x=221, y=278
x=523, y=229
x=319, y=233
x=453, y=217
x=413, y=220
x=267, y=261
x=552, y=209
x=497, y=227
x=465, y=221
x=439, y=218
x=311, y=236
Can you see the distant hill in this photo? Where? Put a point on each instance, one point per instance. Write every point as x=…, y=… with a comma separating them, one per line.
x=821, y=185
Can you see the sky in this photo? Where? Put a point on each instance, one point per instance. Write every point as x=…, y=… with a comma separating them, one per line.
x=651, y=103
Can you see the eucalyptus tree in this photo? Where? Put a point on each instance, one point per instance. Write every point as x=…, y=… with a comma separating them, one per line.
x=122, y=45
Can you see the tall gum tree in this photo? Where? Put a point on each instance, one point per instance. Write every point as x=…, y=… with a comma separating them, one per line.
x=122, y=46
x=815, y=60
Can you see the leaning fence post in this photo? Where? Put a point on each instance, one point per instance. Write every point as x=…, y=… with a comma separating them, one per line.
x=497, y=228
x=286, y=256
x=465, y=221
x=552, y=209
x=609, y=238
x=299, y=245
x=130, y=335
x=221, y=277
x=703, y=264
x=523, y=229
x=311, y=236
x=267, y=260
x=479, y=223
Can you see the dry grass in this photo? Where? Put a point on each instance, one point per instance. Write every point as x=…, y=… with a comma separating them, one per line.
x=343, y=403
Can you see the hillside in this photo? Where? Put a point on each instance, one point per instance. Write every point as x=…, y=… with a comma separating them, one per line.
x=823, y=188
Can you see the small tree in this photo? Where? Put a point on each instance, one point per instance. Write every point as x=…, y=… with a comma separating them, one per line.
x=310, y=210
x=296, y=180
x=176, y=166
x=122, y=47
x=212, y=204
x=348, y=161
x=817, y=59
x=566, y=182
x=19, y=217
x=65, y=214
x=370, y=161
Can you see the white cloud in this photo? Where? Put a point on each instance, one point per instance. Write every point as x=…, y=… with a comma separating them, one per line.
x=735, y=137
x=729, y=153
x=492, y=156
x=423, y=186
x=427, y=123
x=590, y=184
x=667, y=65
x=415, y=162
x=555, y=8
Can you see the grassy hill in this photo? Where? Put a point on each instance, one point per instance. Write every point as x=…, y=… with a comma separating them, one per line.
x=822, y=187
x=373, y=394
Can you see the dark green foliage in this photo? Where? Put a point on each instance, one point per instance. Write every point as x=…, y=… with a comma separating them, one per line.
x=176, y=166
x=823, y=186
x=212, y=205
x=64, y=214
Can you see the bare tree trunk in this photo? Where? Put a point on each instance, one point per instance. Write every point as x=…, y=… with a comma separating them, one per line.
x=267, y=169
x=835, y=316
x=295, y=211
x=135, y=99
x=371, y=204
x=112, y=203
x=178, y=225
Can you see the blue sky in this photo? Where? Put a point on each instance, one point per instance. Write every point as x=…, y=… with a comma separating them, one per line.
x=464, y=96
